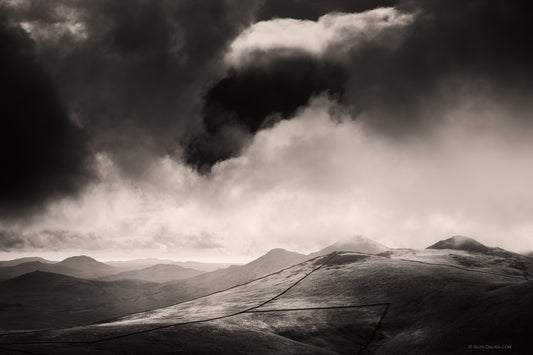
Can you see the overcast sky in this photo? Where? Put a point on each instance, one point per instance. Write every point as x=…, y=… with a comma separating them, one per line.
x=217, y=130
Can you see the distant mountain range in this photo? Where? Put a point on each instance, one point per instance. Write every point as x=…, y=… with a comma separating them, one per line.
x=137, y=264
x=156, y=273
x=78, y=266
x=213, y=275
x=4, y=263
x=438, y=301
x=92, y=290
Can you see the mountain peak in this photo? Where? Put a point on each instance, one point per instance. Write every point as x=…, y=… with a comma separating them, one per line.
x=355, y=243
x=275, y=259
x=278, y=251
x=79, y=258
x=85, y=263
x=459, y=242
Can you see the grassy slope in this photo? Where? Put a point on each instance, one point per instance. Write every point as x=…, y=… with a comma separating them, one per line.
x=433, y=309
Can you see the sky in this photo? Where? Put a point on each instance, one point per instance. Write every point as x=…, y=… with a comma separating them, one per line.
x=217, y=130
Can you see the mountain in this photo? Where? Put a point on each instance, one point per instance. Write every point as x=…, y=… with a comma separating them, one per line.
x=9, y=272
x=356, y=244
x=4, y=263
x=156, y=273
x=272, y=261
x=137, y=264
x=78, y=266
x=87, y=267
x=459, y=242
x=40, y=299
x=349, y=304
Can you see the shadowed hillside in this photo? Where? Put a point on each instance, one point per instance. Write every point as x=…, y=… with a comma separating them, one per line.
x=42, y=299
x=9, y=272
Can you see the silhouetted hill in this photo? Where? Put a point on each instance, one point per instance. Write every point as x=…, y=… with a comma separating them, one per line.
x=458, y=242
x=21, y=269
x=49, y=282
x=4, y=263
x=87, y=267
x=82, y=262
x=156, y=273
x=78, y=266
x=357, y=244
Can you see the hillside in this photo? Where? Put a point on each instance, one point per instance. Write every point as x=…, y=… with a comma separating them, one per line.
x=343, y=303
x=272, y=261
x=42, y=299
x=156, y=273
x=41, y=306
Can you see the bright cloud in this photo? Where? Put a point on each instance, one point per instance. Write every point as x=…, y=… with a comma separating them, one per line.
x=317, y=178
x=316, y=37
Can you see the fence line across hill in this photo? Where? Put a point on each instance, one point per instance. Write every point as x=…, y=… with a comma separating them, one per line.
x=181, y=323
x=254, y=309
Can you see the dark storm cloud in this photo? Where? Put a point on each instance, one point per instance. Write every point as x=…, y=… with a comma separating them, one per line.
x=451, y=46
x=147, y=78
x=131, y=73
x=241, y=102
x=43, y=155
x=451, y=50
x=137, y=81
x=135, y=75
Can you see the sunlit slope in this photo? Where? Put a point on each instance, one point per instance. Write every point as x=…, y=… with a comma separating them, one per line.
x=341, y=303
